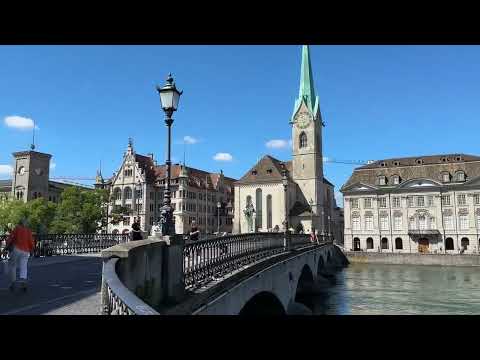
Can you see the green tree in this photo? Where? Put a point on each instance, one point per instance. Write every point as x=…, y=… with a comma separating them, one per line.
x=80, y=211
x=39, y=214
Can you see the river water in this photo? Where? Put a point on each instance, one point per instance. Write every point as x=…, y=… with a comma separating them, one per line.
x=374, y=289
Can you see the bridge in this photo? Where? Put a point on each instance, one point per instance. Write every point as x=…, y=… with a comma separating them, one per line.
x=247, y=274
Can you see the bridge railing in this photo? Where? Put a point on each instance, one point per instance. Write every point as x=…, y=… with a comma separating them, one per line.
x=216, y=257
x=117, y=299
x=140, y=275
x=66, y=244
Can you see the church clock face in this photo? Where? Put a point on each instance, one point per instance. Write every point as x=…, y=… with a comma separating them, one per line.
x=303, y=119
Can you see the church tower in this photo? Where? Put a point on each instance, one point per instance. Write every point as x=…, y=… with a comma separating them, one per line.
x=307, y=167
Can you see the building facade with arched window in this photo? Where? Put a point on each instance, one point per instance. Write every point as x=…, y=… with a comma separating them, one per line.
x=427, y=204
x=307, y=202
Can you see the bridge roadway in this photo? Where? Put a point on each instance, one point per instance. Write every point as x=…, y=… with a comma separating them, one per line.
x=58, y=285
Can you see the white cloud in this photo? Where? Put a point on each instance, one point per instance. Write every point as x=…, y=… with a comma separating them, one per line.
x=277, y=144
x=6, y=170
x=53, y=166
x=19, y=122
x=190, y=140
x=223, y=157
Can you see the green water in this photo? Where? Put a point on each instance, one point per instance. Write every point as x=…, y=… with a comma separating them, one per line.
x=371, y=289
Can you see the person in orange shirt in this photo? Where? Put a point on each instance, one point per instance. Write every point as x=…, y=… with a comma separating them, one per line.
x=20, y=244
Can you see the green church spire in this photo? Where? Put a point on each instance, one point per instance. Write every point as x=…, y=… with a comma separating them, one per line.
x=307, y=88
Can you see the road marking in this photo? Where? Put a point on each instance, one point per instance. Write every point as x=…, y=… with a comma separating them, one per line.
x=30, y=307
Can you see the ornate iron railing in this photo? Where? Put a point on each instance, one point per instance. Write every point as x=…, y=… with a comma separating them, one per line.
x=117, y=298
x=206, y=259
x=66, y=244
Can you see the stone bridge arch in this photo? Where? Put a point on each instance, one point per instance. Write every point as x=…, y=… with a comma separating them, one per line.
x=263, y=304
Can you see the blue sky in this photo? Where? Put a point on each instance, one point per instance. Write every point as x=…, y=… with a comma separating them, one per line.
x=377, y=102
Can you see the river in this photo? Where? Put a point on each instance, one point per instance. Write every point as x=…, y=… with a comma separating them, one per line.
x=374, y=289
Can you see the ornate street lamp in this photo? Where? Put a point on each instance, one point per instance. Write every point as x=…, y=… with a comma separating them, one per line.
x=219, y=205
x=169, y=97
x=286, y=242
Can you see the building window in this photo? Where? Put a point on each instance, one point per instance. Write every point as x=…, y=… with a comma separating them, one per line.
x=395, y=179
x=368, y=222
x=396, y=202
x=384, y=223
x=420, y=201
x=152, y=207
x=354, y=203
x=476, y=199
x=126, y=221
x=127, y=193
x=464, y=243
x=269, y=211
x=461, y=199
x=430, y=200
x=410, y=201
x=384, y=243
x=381, y=180
x=382, y=202
x=397, y=222
x=367, y=202
x=369, y=243
x=445, y=177
x=449, y=244
x=422, y=222
x=356, y=223
x=258, y=202
x=152, y=195
x=446, y=200
x=303, y=140
x=398, y=244
x=463, y=221
x=411, y=223
x=448, y=222
x=460, y=176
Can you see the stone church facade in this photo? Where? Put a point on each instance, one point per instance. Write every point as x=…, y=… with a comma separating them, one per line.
x=426, y=204
x=309, y=198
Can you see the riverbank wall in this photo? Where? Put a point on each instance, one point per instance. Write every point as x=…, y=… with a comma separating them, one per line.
x=412, y=259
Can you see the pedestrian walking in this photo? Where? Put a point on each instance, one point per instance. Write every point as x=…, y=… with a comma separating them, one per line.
x=313, y=236
x=136, y=230
x=194, y=232
x=20, y=245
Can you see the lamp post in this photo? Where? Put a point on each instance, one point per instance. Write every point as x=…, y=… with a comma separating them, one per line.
x=219, y=205
x=169, y=97
x=286, y=242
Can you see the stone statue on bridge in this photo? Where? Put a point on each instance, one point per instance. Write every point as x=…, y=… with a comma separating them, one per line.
x=156, y=229
x=249, y=211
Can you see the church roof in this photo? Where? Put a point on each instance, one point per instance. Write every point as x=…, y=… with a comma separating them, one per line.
x=267, y=169
x=300, y=209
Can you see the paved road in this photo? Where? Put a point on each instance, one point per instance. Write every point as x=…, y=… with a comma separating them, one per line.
x=58, y=285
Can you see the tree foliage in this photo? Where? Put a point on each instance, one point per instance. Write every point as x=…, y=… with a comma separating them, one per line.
x=39, y=214
x=80, y=211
